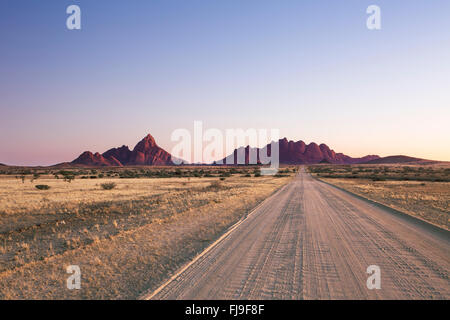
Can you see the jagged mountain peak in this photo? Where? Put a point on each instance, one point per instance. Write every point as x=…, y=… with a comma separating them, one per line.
x=146, y=152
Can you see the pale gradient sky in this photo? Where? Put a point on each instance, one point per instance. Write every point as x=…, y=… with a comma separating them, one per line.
x=310, y=68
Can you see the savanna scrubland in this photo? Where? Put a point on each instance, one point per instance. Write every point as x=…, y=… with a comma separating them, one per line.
x=417, y=190
x=127, y=229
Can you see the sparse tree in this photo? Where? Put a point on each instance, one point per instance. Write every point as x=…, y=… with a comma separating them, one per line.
x=35, y=176
x=69, y=178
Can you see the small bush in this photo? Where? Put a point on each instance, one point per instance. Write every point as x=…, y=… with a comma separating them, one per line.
x=215, y=185
x=69, y=178
x=222, y=178
x=42, y=187
x=108, y=186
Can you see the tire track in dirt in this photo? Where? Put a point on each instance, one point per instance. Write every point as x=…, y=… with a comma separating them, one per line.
x=313, y=241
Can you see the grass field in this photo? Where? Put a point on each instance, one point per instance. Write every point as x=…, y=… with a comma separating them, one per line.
x=431, y=173
x=423, y=192
x=125, y=240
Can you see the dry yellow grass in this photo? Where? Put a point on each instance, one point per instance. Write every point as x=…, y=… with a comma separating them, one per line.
x=17, y=197
x=125, y=240
x=429, y=201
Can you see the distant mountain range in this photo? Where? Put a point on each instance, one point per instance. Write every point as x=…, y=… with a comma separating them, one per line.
x=399, y=159
x=297, y=153
x=147, y=152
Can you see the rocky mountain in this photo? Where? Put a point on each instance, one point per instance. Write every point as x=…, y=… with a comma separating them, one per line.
x=400, y=159
x=122, y=154
x=298, y=153
x=88, y=158
x=146, y=152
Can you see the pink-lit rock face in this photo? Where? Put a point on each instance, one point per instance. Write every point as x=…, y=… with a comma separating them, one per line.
x=146, y=152
x=90, y=159
x=121, y=154
x=300, y=153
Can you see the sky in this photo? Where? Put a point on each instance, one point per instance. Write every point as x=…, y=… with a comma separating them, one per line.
x=311, y=69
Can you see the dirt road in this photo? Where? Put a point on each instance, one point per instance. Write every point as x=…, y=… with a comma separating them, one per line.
x=313, y=241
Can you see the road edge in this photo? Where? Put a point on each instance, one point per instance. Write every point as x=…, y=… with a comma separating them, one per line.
x=413, y=219
x=148, y=295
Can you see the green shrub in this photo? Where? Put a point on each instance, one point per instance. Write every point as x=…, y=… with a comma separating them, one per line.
x=42, y=187
x=278, y=175
x=69, y=178
x=108, y=185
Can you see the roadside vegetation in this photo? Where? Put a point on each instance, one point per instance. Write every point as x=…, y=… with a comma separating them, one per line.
x=420, y=191
x=68, y=175
x=383, y=172
x=126, y=234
